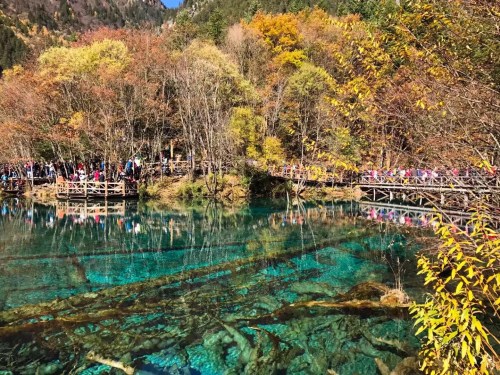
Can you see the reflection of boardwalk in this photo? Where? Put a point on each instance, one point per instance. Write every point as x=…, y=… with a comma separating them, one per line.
x=86, y=208
x=93, y=189
x=414, y=216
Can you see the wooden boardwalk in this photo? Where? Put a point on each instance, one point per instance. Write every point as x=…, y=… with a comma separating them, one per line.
x=449, y=190
x=463, y=184
x=177, y=168
x=308, y=176
x=17, y=186
x=452, y=191
x=441, y=183
x=99, y=190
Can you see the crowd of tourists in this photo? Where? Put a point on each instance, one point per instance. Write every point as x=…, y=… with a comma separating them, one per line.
x=132, y=169
x=96, y=170
x=394, y=174
x=428, y=173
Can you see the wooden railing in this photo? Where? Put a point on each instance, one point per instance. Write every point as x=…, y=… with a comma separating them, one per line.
x=14, y=186
x=304, y=174
x=93, y=189
x=469, y=182
x=484, y=183
x=176, y=168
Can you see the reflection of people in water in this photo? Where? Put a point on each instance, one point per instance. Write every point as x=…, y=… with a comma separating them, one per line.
x=128, y=226
x=390, y=216
x=423, y=220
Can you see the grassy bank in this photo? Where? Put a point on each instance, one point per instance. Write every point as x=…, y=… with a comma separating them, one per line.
x=234, y=188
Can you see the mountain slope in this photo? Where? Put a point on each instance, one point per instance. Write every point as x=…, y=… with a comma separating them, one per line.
x=78, y=15
x=234, y=10
x=12, y=47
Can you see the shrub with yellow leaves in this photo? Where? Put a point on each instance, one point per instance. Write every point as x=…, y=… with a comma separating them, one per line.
x=457, y=320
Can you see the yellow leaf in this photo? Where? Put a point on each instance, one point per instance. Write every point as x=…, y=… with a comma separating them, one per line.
x=478, y=344
x=464, y=349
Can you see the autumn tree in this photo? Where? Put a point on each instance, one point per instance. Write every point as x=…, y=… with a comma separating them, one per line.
x=208, y=87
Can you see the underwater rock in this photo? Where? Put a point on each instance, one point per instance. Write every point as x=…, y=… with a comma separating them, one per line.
x=365, y=291
x=126, y=359
x=168, y=342
x=147, y=345
x=90, y=295
x=162, y=345
x=327, y=260
x=408, y=366
x=267, y=303
x=394, y=297
x=313, y=288
x=48, y=369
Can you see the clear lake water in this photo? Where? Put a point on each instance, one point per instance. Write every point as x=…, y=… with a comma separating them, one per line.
x=199, y=289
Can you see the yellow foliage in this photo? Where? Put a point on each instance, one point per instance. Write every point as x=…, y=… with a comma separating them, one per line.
x=292, y=59
x=280, y=31
x=76, y=120
x=16, y=70
x=272, y=151
x=216, y=68
x=66, y=63
x=246, y=129
x=465, y=282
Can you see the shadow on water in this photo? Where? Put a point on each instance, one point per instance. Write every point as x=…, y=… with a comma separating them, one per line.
x=198, y=290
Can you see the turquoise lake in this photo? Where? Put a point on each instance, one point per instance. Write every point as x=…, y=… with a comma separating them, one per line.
x=200, y=289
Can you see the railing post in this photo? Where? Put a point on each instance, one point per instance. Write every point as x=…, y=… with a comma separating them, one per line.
x=123, y=188
x=106, y=189
x=85, y=186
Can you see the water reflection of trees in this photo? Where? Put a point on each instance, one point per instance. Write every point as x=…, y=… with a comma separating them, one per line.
x=202, y=234
x=74, y=248
x=247, y=261
x=58, y=250
x=144, y=228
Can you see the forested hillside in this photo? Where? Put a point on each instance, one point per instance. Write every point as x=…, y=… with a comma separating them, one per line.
x=29, y=26
x=12, y=47
x=234, y=10
x=413, y=85
x=84, y=14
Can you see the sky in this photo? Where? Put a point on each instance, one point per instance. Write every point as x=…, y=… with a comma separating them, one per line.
x=171, y=3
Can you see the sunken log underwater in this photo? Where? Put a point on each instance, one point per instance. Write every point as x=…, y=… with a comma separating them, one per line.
x=262, y=314
x=252, y=290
